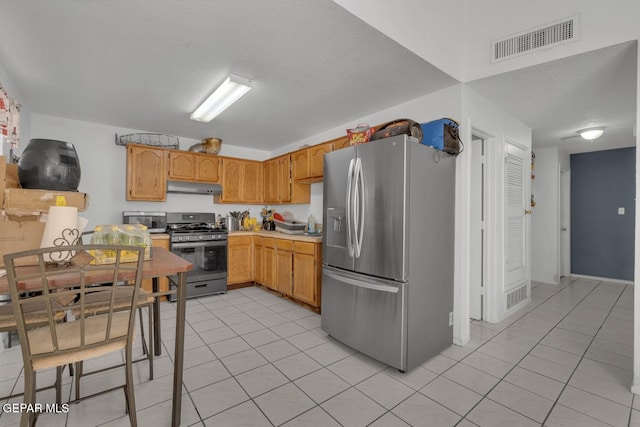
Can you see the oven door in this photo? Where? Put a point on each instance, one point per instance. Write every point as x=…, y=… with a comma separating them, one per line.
x=209, y=259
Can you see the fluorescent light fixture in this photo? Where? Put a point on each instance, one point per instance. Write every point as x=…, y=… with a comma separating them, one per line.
x=591, y=134
x=226, y=94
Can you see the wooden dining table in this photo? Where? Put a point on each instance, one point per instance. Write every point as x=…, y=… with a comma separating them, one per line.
x=163, y=263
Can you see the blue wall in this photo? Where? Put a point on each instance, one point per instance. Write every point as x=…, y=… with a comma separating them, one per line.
x=602, y=242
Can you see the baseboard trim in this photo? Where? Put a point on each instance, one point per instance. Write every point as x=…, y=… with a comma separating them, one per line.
x=603, y=279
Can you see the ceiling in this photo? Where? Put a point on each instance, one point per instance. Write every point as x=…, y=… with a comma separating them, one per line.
x=147, y=64
x=558, y=98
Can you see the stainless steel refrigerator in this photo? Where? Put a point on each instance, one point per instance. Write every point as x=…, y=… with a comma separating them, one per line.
x=388, y=249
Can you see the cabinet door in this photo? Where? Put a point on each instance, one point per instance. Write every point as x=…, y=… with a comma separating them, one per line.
x=207, y=169
x=304, y=278
x=231, y=176
x=269, y=266
x=284, y=266
x=270, y=182
x=284, y=179
x=182, y=165
x=341, y=142
x=239, y=260
x=146, y=173
x=258, y=260
x=300, y=159
x=251, y=182
x=316, y=159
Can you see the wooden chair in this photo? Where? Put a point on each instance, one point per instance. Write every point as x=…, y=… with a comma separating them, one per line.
x=90, y=334
x=99, y=304
x=35, y=316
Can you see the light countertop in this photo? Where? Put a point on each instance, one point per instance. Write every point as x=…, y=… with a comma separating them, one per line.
x=279, y=235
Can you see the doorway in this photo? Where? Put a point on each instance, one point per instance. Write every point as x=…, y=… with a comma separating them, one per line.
x=477, y=249
x=565, y=224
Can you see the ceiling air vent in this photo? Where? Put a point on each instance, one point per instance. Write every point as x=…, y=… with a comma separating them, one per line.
x=556, y=33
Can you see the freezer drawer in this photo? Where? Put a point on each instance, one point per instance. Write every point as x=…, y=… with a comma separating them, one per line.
x=366, y=313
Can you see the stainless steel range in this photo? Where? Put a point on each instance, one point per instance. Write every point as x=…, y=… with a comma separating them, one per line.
x=194, y=237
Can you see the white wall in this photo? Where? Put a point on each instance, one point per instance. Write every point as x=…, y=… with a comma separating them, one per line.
x=443, y=103
x=545, y=220
x=480, y=114
x=103, y=163
x=103, y=168
x=635, y=387
x=455, y=35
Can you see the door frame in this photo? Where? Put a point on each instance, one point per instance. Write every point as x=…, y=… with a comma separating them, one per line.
x=481, y=293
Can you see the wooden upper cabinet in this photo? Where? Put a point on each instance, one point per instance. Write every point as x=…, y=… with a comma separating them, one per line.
x=270, y=181
x=146, y=173
x=208, y=168
x=300, y=169
x=190, y=166
x=231, y=175
x=278, y=184
x=308, y=163
x=251, y=187
x=340, y=143
x=182, y=165
x=316, y=159
x=241, y=181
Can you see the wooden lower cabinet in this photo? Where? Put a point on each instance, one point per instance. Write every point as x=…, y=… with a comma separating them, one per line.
x=288, y=266
x=258, y=260
x=269, y=263
x=307, y=272
x=239, y=259
x=284, y=266
x=161, y=241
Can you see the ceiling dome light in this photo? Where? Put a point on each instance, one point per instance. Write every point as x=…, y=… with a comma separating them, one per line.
x=591, y=134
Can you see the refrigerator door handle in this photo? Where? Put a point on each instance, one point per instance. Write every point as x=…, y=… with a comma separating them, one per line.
x=361, y=284
x=359, y=189
x=356, y=208
x=350, y=245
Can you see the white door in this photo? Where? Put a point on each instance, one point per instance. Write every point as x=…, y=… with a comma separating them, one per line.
x=517, y=253
x=477, y=229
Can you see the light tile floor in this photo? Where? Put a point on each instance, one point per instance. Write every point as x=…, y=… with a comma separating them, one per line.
x=254, y=359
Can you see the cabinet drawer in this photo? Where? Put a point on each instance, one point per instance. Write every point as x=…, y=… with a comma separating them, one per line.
x=305, y=247
x=238, y=240
x=268, y=242
x=286, y=245
x=257, y=241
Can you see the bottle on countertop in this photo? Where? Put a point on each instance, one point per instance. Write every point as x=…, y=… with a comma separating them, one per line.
x=311, y=224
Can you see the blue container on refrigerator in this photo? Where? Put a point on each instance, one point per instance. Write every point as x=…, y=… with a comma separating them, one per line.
x=433, y=132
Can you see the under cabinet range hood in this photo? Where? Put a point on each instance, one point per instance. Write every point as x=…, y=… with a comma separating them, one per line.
x=193, y=187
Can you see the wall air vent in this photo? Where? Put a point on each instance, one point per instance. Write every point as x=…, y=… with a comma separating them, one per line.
x=556, y=33
x=516, y=296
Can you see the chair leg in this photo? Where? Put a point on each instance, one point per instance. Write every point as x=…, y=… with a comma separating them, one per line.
x=78, y=374
x=151, y=349
x=28, y=419
x=129, y=393
x=59, y=384
x=144, y=341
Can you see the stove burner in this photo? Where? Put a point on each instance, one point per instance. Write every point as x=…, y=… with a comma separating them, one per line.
x=194, y=227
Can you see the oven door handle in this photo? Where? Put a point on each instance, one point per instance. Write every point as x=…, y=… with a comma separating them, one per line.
x=199, y=244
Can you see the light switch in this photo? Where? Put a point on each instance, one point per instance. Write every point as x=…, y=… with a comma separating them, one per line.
x=620, y=211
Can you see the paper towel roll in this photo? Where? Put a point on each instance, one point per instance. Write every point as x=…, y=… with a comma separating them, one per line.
x=63, y=228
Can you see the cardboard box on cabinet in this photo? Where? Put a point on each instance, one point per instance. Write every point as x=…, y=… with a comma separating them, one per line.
x=41, y=200
x=8, y=177
x=20, y=230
